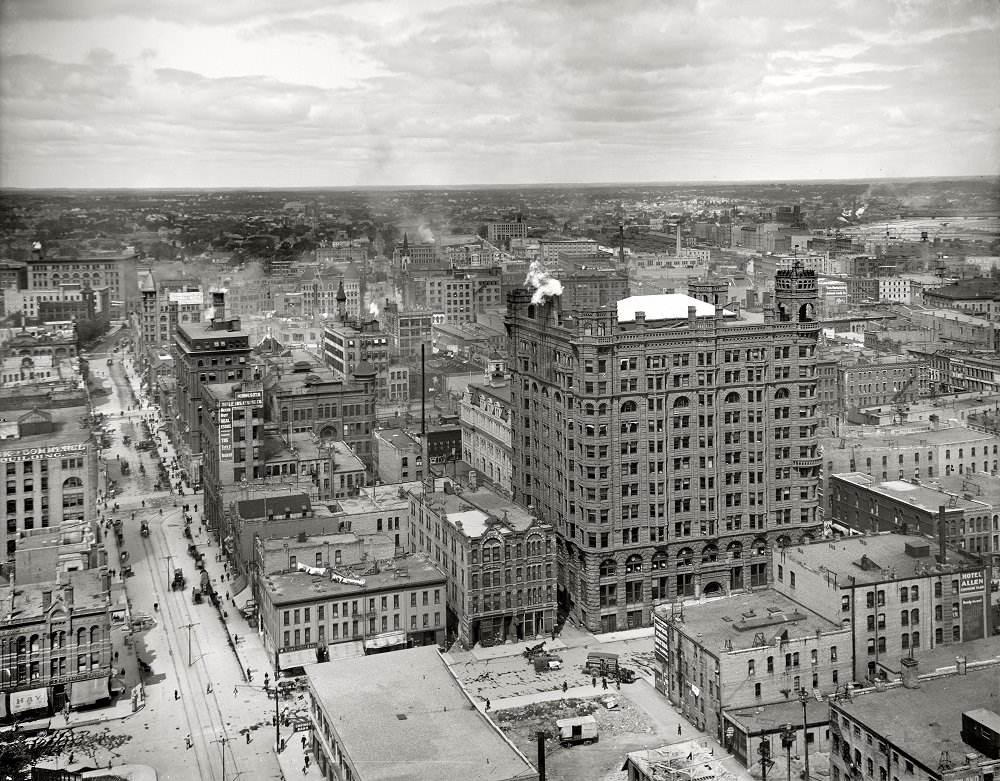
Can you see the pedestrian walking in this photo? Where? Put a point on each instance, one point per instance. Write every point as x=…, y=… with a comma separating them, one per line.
x=305, y=770
x=116, y=656
x=565, y=687
x=187, y=741
x=208, y=689
x=487, y=703
x=678, y=729
x=593, y=681
x=236, y=638
x=248, y=737
x=604, y=683
x=176, y=695
x=303, y=742
x=307, y=760
x=234, y=691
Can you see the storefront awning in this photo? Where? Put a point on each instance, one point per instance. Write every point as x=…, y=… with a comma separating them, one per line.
x=88, y=692
x=346, y=650
x=385, y=640
x=29, y=699
x=239, y=585
x=298, y=658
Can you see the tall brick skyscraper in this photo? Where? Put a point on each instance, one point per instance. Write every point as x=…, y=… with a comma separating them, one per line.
x=669, y=442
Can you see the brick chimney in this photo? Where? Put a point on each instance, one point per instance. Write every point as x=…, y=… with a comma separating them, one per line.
x=46, y=598
x=910, y=671
x=68, y=595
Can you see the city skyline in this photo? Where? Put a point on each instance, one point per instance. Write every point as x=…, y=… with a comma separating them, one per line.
x=114, y=93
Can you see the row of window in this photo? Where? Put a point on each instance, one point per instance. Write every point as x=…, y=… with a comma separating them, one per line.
x=352, y=629
x=351, y=608
x=792, y=660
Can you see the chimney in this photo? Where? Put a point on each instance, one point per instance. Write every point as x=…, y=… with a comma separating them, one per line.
x=942, y=531
x=46, y=598
x=911, y=669
x=105, y=580
x=68, y=595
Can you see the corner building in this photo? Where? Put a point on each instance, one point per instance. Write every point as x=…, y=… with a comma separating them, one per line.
x=670, y=443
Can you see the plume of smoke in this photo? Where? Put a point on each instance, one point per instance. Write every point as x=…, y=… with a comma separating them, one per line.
x=861, y=211
x=426, y=235
x=544, y=284
x=373, y=309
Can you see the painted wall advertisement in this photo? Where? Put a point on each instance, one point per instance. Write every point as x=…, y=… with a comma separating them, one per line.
x=973, y=624
x=241, y=399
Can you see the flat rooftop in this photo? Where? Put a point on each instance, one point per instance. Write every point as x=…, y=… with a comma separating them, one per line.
x=406, y=572
x=927, y=722
x=885, y=552
x=403, y=715
x=65, y=428
x=736, y=620
x=904, y=436
x=941, y=658
x=25, y=601
x=379, y=498
x=666, y=306
x=474, y=508
x=923, y=496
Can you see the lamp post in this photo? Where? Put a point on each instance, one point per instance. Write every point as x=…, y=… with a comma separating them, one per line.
x=804, y=699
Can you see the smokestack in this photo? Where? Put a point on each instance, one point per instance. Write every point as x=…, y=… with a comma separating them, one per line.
x=678, y=250
x=942, y=529
x=621, y=243
x=540, y=736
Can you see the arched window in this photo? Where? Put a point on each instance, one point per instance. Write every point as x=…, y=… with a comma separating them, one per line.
x=95, y=635
x=685, y=557
x=34, y=644
x=781, y=393
x=633, y=564
x=81, y=637
x=659, y=561
x=682, y=401
x=759, y=547
x=72, y=483
x=609, y=568
x=629, y=406
x=732, y=398
x=914, y=593
x=710, y=553
x=22, y=645
x=783, y=541
x=588, y=409
x=602, y=410
x=735, y=549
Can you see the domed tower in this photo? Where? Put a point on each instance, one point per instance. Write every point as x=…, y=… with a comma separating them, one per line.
x=796, y=294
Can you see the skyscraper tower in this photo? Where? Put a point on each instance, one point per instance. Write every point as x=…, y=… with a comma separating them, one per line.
x=671, y=444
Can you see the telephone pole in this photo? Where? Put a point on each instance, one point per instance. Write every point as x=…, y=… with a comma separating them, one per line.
x=188, y=627
x=223, y=741
x=764, y=751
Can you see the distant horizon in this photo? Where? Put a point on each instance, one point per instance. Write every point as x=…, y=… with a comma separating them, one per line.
x=396, y=95
x=509, y=186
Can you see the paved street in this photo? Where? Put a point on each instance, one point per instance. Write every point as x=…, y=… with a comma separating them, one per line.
x=198, y=686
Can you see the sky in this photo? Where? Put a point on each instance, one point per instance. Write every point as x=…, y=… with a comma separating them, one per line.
x=327, y=93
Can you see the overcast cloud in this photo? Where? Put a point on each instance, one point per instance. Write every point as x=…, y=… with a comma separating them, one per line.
x=178, y=93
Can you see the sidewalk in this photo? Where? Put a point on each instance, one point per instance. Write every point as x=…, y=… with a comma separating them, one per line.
x=292, y=759
x=481, y=654
x=574, y=692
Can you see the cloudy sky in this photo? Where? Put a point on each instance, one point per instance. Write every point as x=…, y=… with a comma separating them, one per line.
x=211, y=93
